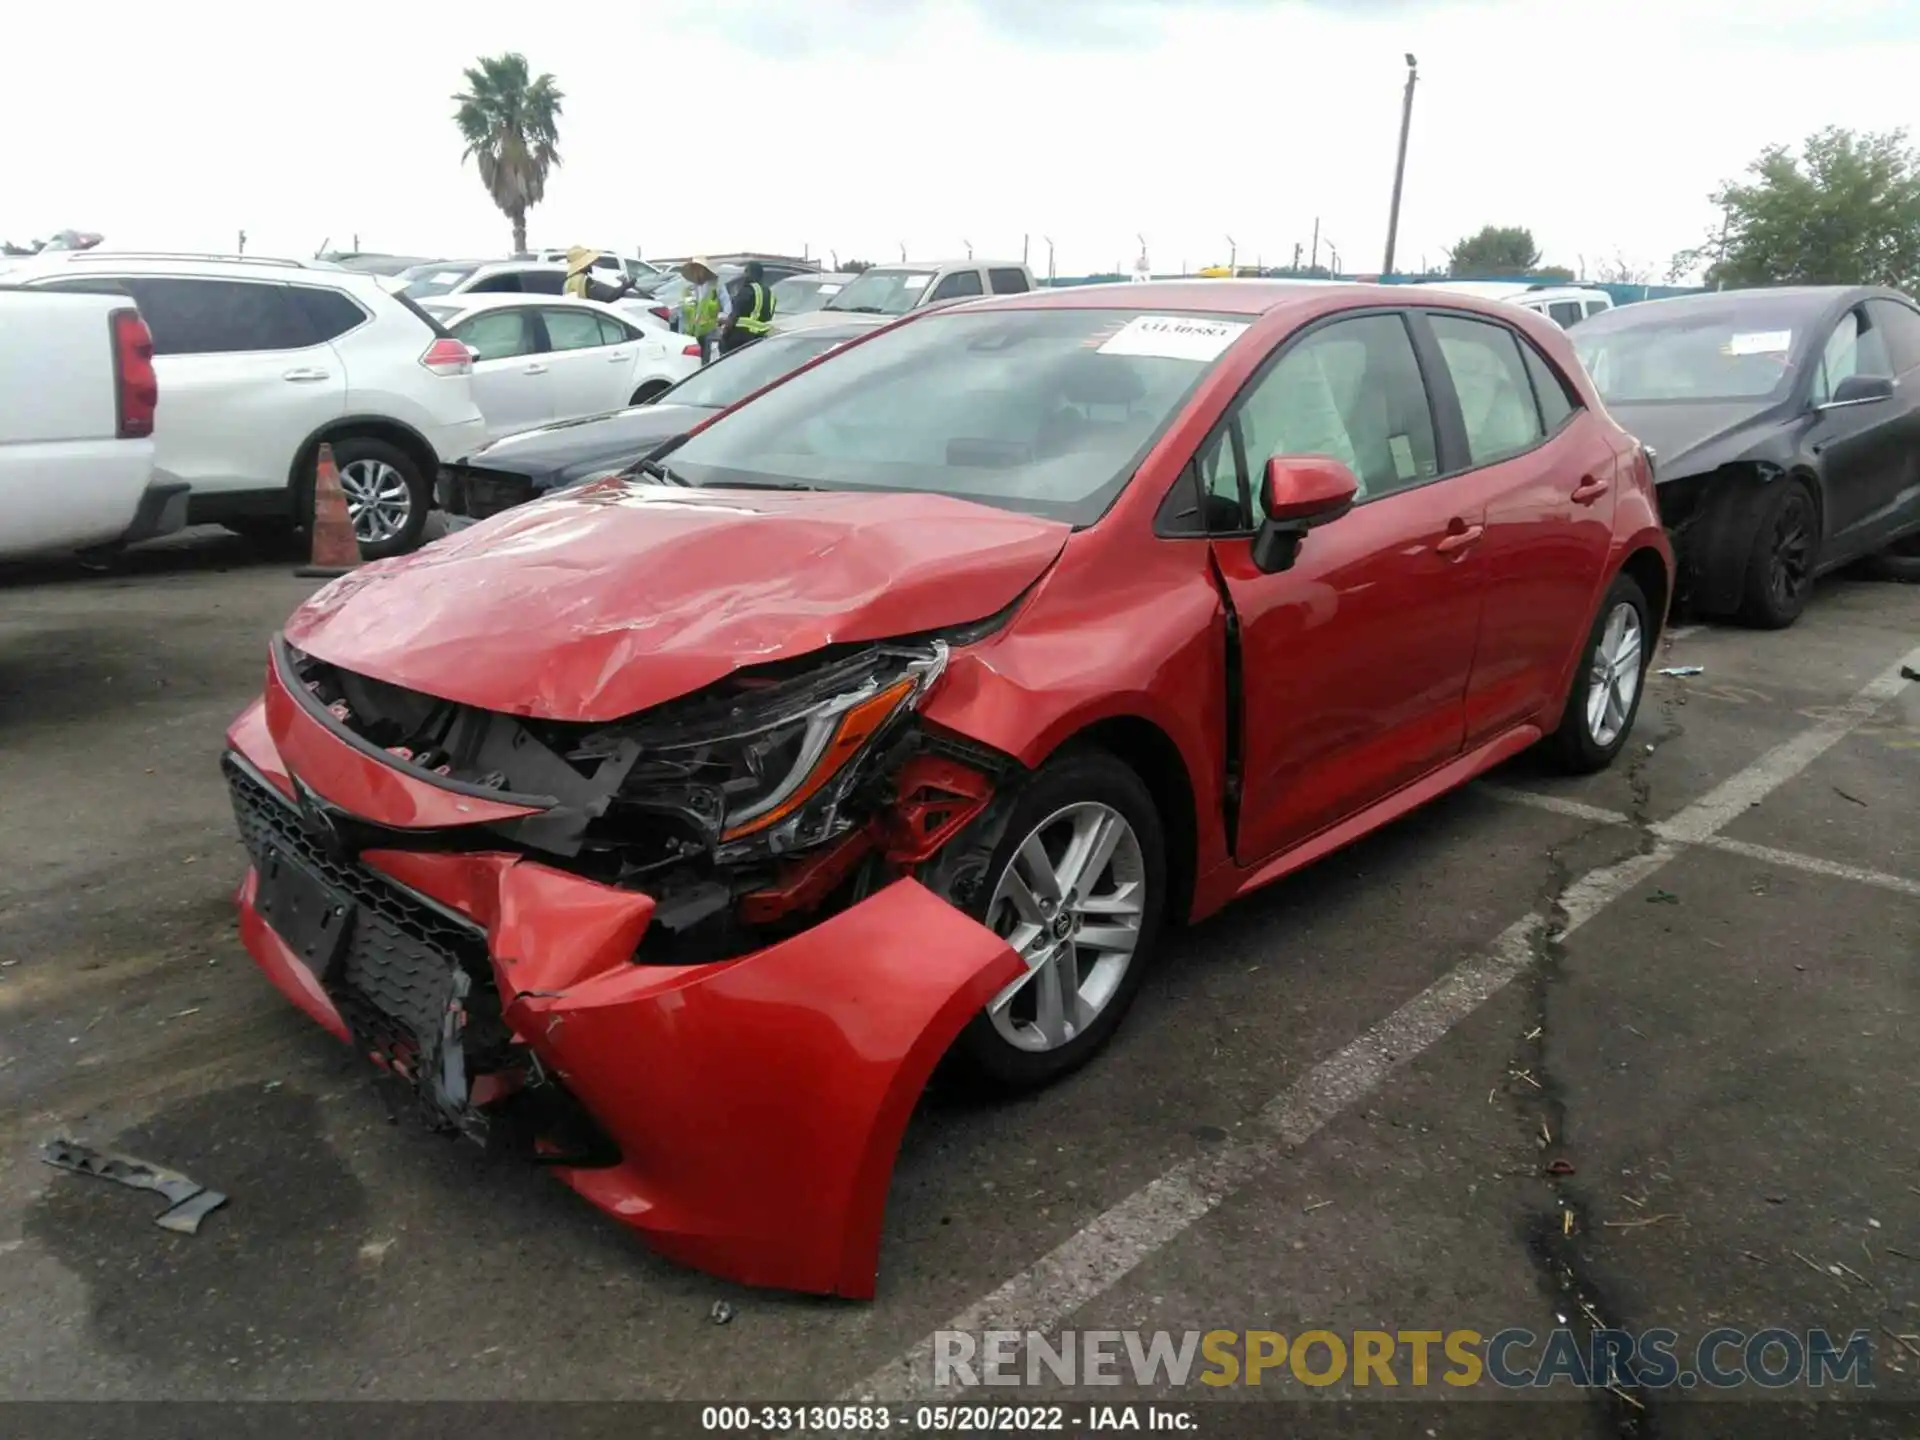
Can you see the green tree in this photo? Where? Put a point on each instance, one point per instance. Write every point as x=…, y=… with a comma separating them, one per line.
x=510, y=122
x=1495, y=251
x=1845, y=211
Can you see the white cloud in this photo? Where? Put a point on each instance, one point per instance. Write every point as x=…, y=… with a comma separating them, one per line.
x=858, y=124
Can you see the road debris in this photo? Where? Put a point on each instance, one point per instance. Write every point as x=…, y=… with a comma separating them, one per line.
x=1663, y=897
x=1317, y=1205
x=1638, y=1224
x=1907, y=672
x=1566, y=1222
x=721, y=1313
x=1854, y=798
x=1905, y=1342
x=190, y=1201
x=1681, y=672
x=1560, y=1167
x=1527, y=1076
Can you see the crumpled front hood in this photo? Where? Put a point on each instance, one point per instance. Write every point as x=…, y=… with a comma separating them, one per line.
x=1689, y=439
x=607, y=600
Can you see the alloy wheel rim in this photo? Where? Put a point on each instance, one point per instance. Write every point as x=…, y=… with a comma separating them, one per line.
x=1070, y=902
x=1613, y=683
x=378, y=501
x=1792, y=550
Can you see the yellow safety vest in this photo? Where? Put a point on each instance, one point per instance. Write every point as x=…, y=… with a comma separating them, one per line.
x=759, y=319
x=698, y=314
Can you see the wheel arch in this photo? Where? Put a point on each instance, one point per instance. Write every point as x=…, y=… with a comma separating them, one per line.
x=396, y=433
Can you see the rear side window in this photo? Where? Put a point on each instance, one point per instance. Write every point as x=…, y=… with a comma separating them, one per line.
x=1008, y=281
x=1565, y=313
x=543, y=282
x=1556, y=404
x=1490, y=377
x=960, y=282
x=613, y=332
x=1899, y=327
x=328, y=313
x=218, y=317
x=572, y=329
x=507, y=284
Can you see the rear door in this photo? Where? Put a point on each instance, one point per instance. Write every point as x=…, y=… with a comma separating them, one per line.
x=1547, y=471
x=512, y=382
x=243, y=378
x=592, y=363
x=954, y=285
x=1355, y=660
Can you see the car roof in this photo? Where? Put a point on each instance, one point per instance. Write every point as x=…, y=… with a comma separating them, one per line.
x=1807, y=301
x=195, y=266
x=961, y=264
x=1222, y=297
x=493, y=301
x=812, y=277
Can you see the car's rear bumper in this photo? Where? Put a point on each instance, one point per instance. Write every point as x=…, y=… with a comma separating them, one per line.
x=162, y=509
x=743, y=1116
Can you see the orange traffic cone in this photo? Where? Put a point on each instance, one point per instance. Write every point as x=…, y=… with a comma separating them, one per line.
x=335, y=550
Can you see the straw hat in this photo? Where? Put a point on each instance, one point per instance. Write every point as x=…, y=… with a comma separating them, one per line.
x=699, y=268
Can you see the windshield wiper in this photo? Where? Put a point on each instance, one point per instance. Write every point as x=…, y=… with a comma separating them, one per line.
x=855, y=309
x=761, y=485
x=660, y=470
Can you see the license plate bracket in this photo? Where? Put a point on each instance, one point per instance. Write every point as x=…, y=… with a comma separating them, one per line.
x=313, y=918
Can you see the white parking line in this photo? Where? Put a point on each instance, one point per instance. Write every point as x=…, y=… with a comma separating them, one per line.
x=1098, y=1256
x=1767, y=854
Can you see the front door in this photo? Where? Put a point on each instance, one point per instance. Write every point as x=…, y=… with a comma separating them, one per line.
x=1355, y=660
x=512, y=381
x=1865, y=450
x=1550, y=476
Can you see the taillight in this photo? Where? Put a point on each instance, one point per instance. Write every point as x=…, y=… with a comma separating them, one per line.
x=448, y=357
x=693, y=350
x=665, y=315
x=136, y=390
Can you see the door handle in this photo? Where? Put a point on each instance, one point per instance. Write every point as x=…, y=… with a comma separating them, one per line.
x=1589, y=490
x=1464, y=538
x=307, y=374
x=618, y=356
x=534, y=370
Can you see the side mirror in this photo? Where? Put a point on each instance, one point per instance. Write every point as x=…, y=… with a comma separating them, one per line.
x=1299, y=493
x=474, y=351
x=1860, y=390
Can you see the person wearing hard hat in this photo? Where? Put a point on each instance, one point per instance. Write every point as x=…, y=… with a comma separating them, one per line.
x=706, y=307
x=751, y=309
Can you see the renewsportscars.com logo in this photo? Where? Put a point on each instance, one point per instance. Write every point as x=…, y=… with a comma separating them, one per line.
x=1513, y=1359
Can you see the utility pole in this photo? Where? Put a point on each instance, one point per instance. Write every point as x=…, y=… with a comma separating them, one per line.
x=1023, y=248
x=1314, y=263
x=1400, y=166
x=1233, y=253
x=356, y=242
x=1049, y=240
x=969, y=245
x=243, y=244
x=1333, y=253
x=1296, y=257
x=903, y=252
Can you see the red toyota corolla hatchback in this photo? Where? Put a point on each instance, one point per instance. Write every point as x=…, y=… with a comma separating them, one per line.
x=674, y=829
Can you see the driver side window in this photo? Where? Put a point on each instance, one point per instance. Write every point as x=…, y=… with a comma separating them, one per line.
x=1350, y=390
x=1856, y=347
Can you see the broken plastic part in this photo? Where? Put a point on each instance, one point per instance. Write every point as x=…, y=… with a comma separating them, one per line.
x=189, y=1202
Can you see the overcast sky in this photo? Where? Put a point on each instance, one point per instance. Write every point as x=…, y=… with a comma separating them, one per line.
x=858, y=126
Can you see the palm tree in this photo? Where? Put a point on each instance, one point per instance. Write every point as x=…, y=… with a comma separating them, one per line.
x=511, y=125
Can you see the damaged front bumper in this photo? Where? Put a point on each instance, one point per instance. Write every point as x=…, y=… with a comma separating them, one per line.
x=742, y=1114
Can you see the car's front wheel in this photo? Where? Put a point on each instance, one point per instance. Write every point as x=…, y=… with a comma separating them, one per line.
x=1609, y=681
x=1786, y=546
x=387, y=496
x=1076, y=885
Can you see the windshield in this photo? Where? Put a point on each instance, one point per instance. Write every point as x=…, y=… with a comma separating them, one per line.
x=423, y=281
x=734, y=377
x=1045, y=411
x=801, y=294
x=1732, y=355
x=883, y=292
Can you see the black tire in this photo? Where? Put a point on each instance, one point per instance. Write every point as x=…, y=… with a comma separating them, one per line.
x=652, y=390
x=1786, y=547
x=357, y=448
x=982, y=1055
x=1575, y=746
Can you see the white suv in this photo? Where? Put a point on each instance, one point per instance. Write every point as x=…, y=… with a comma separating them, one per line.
x=262, y=360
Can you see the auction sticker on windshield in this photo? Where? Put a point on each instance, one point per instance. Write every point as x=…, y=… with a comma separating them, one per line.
x=1173, y=337
x=1761, y=342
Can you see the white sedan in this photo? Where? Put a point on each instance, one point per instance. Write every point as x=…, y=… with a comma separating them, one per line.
x=542, y=358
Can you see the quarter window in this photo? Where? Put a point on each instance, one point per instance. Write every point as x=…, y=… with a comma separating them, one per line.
x=1556, y=404
x=1490, y=378
x=1899, y=326
x=328, y=312
x=1350, y=390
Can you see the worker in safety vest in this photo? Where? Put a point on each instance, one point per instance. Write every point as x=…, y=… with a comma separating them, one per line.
x=751, y=309
x=706, y=306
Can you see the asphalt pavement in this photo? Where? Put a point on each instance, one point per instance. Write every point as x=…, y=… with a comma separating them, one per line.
x=1625, y=1052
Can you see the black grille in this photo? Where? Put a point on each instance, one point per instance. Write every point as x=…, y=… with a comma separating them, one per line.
x=393, y=985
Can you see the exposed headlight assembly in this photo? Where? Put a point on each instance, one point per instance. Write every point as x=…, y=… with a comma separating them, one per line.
x=781, y=756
